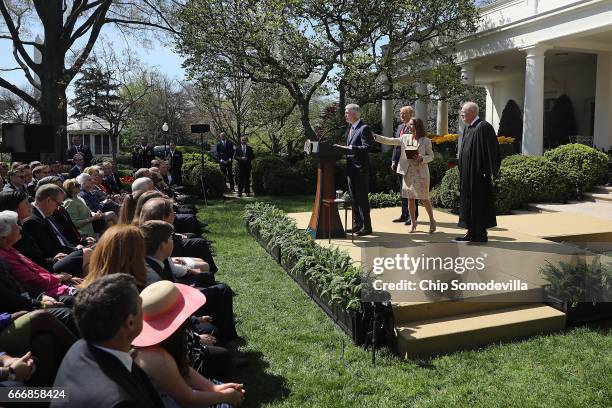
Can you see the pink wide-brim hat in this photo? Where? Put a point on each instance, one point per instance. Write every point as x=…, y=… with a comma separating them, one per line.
x=165, y=307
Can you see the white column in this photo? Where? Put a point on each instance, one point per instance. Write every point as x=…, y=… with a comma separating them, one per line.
x=442, y=116
x=533, y=112
x=490, y=105
x=603, y=102
x=421, y=106
x=468, y=77
x=387, y=115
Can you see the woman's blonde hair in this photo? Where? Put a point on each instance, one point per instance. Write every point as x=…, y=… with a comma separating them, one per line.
x=70, y=185
x=121, y=249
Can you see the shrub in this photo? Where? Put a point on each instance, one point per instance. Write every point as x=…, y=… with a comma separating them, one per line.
x=528, y=179
x=511, y=122
x=446, y=195
x=264, y=164
x=331, y=270
x=437, y=169
x=582, y=165
x=382, y=200
x=283, y=181
x=214, y=181
x=578, y=281
x=381, y=177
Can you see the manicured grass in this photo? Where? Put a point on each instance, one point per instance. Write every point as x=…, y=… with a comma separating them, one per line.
x=299, y=358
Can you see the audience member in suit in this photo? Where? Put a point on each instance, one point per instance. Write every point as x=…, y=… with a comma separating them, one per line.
x=38, y=173
x=112, y=183
x=78, y=167
x=358, y=145
x=142, y=155
x=244, y=156
x=16, y=180
x=78, y=148
x=175, y=161
x=41, y=228
x=56, y=169
x=109, y=315
x=159, y=344
x=406, y=113
x=225, y=154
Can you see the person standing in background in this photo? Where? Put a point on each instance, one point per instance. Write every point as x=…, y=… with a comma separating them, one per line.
x=244, y=155
x=225, y=153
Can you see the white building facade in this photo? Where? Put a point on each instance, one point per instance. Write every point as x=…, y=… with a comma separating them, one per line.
x=533, y=51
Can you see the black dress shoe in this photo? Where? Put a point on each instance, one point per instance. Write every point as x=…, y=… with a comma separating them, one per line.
x=400, y=219
x=362, y=232
x=480, y=238
x=465, y=238
x=353, y=230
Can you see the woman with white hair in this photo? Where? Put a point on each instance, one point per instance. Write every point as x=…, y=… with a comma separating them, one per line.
x=82, y=217
x=86, y=183
x=28, y=273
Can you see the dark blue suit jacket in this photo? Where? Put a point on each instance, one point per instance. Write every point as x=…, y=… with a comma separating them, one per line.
x=397, y=149
x=360, y=141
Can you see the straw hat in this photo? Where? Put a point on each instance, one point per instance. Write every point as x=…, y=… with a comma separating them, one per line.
x=165, y=307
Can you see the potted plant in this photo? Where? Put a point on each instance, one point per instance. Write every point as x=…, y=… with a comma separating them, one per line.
x=583, y=291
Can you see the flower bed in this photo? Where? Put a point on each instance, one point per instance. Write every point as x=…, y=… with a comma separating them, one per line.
x=327, y=275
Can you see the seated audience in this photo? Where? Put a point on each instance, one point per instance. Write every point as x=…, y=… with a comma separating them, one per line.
x=120, y=249
x=98, y=371
x=32, y=276
x=16, y=180
x=79, y=165
x=15, y=371
x=142, y=172
x=37, y=335
x=43, y=241
x=107, y=207
x=111, y=181
x=39, y=172
x=82, y=217
x=162, y=349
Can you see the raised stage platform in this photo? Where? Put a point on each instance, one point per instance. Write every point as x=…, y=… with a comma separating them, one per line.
x=428, y=324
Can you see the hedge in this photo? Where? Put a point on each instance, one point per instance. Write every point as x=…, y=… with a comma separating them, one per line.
x=582, y=165
x=214, y=181
x=328, y=268
x=530, y=179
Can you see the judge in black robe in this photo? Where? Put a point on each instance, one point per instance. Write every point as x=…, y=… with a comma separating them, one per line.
x=479, y=161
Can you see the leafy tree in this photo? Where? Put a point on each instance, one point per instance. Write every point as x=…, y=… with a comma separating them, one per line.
x=69, y=31
x=299, y=44
x=109, y=88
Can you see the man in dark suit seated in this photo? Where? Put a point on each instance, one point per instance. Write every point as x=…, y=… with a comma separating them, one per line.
x=98, y=371
x=225, y=154
x=78, y=147
x=41, y=228
x=244, y=155
x=78, y=167
x=38, y=173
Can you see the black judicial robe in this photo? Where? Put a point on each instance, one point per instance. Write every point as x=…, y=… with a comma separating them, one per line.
x=479, y=160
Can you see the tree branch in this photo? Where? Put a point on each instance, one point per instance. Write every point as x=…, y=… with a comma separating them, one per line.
x=14, y=32
x=20, y=93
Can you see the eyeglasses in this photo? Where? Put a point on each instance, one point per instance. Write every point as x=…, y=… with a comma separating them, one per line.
x=57, y=203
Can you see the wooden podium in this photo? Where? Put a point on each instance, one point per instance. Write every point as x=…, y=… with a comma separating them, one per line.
x=326, y=222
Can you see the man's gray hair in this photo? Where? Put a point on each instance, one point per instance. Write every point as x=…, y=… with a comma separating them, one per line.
x=7, y=220
x=47, y=191
x=472, y=107
x=141, y=184
x=353, y=107
x=82, y=178
x=141, y=172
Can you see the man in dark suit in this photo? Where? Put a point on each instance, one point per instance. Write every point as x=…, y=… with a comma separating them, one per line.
x=358, y=144
x=78, y=147
x=79, y=165
x=225, y=153
x=244, y=155
x=175, y=161
x=98, y=371
x=49, y=240
x=142, y=155
x=406, y=113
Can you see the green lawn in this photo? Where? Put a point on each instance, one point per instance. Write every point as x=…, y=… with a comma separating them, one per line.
x=299, y=358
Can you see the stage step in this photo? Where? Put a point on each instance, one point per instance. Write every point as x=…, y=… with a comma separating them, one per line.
x=444, y=335
x=419, y=311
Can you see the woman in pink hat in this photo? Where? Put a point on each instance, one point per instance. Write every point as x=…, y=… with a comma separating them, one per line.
x=162, y=350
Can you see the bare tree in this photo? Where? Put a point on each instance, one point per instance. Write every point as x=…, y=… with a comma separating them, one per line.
x=15, y=109
x=69, y=29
